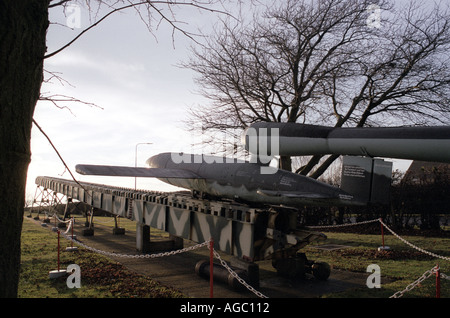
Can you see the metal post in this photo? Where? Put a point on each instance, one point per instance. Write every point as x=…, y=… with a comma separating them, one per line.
x=211, y=258
x=382, y=232
x=438, y=281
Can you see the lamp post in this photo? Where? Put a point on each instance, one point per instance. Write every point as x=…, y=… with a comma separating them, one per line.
x=135, y=159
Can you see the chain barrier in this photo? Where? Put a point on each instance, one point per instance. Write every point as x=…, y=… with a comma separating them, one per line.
x=59, y=220
x=341, y=225
x=235, y=275
x=412, y=245
x=113, y=254
x=398, y=294
x=389, y=229
x=425, y=275
x=413, y=285
x=163, y=254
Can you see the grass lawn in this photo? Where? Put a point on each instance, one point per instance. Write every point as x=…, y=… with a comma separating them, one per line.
x=101, y=277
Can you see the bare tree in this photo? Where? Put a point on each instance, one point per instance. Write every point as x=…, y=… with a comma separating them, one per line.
x=23, y=31
x=339, y=63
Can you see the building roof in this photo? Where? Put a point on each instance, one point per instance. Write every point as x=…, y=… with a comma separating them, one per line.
x=427, y=172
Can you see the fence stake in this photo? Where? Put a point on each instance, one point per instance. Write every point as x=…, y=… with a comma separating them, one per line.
x=59, y=272
x=211, y=258
x=383, y=247
x=438, y=281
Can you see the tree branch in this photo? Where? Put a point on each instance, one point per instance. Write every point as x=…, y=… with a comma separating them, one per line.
x=59, y=155
x=149, y=3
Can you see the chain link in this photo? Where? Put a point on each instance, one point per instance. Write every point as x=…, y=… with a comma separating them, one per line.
x=113, y=254
x=59, y=220
x=395, y=234
x=235, y=275
x=341, y=225
x=445, y=276
x=413, y=285
x=412, y=245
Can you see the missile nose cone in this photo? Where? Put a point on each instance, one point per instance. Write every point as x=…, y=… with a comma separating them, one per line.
x=157, y=161
x=150, y=162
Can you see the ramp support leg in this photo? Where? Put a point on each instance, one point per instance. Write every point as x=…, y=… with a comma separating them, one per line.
x=142, y=237
x=144, y=245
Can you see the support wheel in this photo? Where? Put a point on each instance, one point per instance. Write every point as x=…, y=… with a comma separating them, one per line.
x=321, y=270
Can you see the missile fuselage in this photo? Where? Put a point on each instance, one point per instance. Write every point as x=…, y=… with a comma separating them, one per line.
x=234, y=179
x=413, y=143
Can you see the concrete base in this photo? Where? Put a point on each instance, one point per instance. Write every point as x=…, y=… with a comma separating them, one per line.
x=71, y=249
x=118, y=231
x=87, y=232
x=57, y=273
x=144, y=245
x=384, y=248
x=163, y=246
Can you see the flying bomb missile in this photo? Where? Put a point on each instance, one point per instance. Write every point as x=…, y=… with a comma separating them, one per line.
x=292, y=139
x=231, y=179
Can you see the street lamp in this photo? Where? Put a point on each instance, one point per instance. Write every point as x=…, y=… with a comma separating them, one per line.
x=135, y=159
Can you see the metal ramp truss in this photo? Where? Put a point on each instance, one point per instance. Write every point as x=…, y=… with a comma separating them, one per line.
x=249, y=234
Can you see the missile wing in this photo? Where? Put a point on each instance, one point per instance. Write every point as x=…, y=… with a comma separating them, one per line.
x=232, y=179
x=123, y=171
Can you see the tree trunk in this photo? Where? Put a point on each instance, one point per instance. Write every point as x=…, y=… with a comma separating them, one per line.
x=23, y=26
x=285, y=163
x=310, y=165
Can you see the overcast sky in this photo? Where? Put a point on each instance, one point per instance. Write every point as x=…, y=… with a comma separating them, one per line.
x=130, y=73
x=133, y=76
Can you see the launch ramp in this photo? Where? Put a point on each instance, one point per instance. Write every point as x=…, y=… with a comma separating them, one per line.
x=247, y=233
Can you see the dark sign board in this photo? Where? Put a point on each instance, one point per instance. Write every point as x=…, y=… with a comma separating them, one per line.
x=367, y=179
